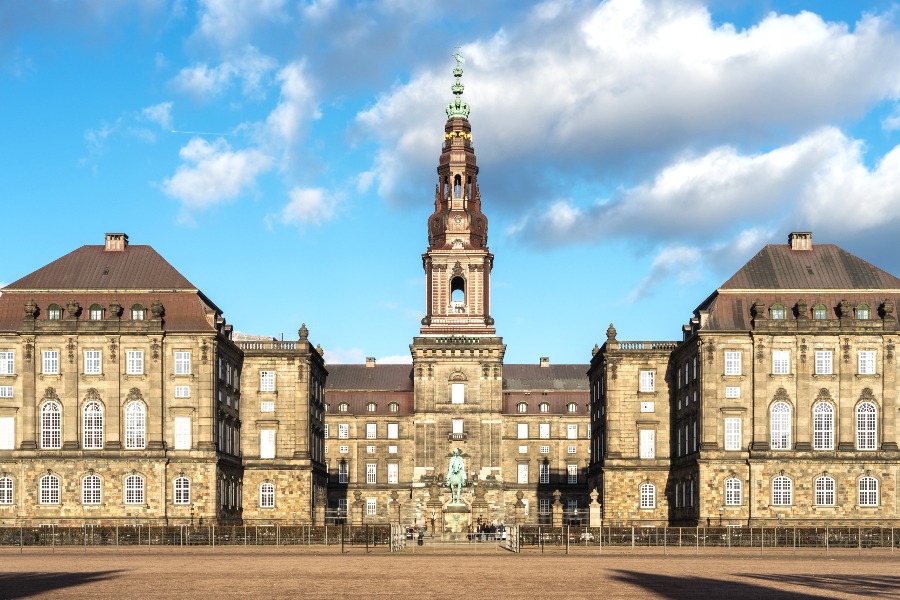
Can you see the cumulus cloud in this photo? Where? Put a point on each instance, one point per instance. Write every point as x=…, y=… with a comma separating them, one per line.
x=296, y=105
x=309, y=206
x=229, y=22
x=679, y=260
x=212, y=173
x=161, y=114
x=249, y=67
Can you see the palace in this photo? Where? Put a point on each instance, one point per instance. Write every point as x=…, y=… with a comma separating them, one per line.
x=126, y=397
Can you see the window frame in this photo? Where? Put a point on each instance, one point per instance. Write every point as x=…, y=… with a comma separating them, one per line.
x=647, y=380
x=267, y=494
x=93, y=364
x=371, y=473
x=870, y=495
x=135, y=425
x=91, y=494
x=522, y=472
x=782, y=491
x=7, y=491
x=92, y=425
x=182, y=433
x=343, y=472
x=50, y=362
x=824, y=487
x=543, y=472
x=866, y=362
x=823, y=426
x=780, y=434
x=733, y=366
x=8, y=433
x=51, y=425
x=647, y=493
x=866, y=433
x=572, y=474
x=134, y=362
x=733, y=492
x=49, y=487
x=181, y=490
x=182, y=362
x=781, y=362
x=266, y=381
x=133, y=489
x=733, y=429
x=7, y=362
x=393, y=472
x=824, y=363
x=647, y=444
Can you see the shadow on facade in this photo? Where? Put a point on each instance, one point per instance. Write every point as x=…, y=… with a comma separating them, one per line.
x=26, y=585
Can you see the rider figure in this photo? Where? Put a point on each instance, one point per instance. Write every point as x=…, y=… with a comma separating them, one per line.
x=456, y=475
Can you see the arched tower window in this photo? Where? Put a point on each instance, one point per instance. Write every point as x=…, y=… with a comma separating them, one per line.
x=458, y=294
x=457, y=186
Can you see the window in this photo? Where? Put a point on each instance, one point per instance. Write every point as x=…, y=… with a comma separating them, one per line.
x=393, y=472
x=824, y=491
x=91, y=487
x=571, y=407
x=733, y=491
x=6, y=391
x=393, y=407
x=457, y=393
x=777, y=312
x=267, y=381
x=6, y=490
x=7, y=433
x=865, y=426
x=343, y=407
x=343, y=431
x=544, y=431
x=371, y=506
x=267, y=495
x=182, y=490
x=782, y=491
x=648, y=495
x=781, y=362
x=823, y=426
x=648, y=443
x=572, y=431
x=7, y=363
x=134, y=489
x=267, y=443
x=456, y=425
x=51, y=426
x=823, y=362
x=49, y=489
x=371, y=431
x=544, y=407
x=51, y=362
x=371, y=407
x=543, y=506
x=344, y=449
x=182, y=363
x=92, y=362
x=371, y=473
x=54, y=312
x=523, y=431
x=135, y=425
x=868, y=491
x=571, y=474
x=867, y=362
x=862, y=311
x=732, y=363
x=182, y=433
x=543, y=472
x=393, y=431
x=343, y=472
x=571, y=449
x=780, y=426
x=733, y=433
x=732, y=391
x=95, y=312
x=135, y=362
x=137, y=313
x=371, y=449
x=544, y=449
x=522, y=407
x=522, y=473
x=92, y=426
x=266, y=406
x=820, y=312
x=392, y=449
x=647, y=381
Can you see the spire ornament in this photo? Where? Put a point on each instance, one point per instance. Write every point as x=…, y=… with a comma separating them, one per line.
x=458, y=108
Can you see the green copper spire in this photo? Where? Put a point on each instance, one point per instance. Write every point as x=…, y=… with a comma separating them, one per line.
x=458, y=108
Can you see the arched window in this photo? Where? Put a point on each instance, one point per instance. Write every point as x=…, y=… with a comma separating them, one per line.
x=780, y=426
x=782, y=491
x=51, y=426
x=267, y=495
x=49, y=489
x=522, y=407
x=823, y=426
x=862, y=311
x=371, y=407
x=824, y=491
x=92, y=426
x=868, y=491
x=343, y=407
x=865, y=426
x=648, y=495
x=135, y=425
x=572, y=407
x=820, y=312
x=6, y=490
x=393, y=407
x=733, y=491
x=182, y=490
x=91, y=488
x=95, y=312
x=458, y=294
x=54, y=312
x=134, y=489
x=137, y=313
x=777, y=312
x=544, y=407
x=457, y=186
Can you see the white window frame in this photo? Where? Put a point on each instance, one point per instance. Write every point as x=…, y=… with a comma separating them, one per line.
x=371, y=431
x=7, y=362
x=544, y=450
x=134, y=362
x=91, y=489
x=544, y=431
x=866, y=362
x=647, y=439
x=781, y=362
x=733, y=391
x=371, y=507
x=343, y=472
x=824, y=491
x=182, y=391
x=393, y=473
x=92, y=364
x=49, y=487
x=457, y=393
x=181, y=490
x=50, y=362
x=393, y=431
x=572, y=474
x=733, y=362
x=135, y=425
x=7, y=490
x=267, y=495
x=543, y=472
x=782, y=491
x=866, y=426
x=51, y=425
x=572, y=450
x=267, y=443
x=343, y=449
x=267, y=381
x=371, y=473
x=780, y=426
x=182, y=362
x=867, y=491
x=824, y=362
x=648, y=495
x=343, y=431
x=647, y=381
x=522, y=473
x=733, y=431
x=92, y=425
x=7, y=433
x=823, y=426
x=522, y=431
x=134, y=489
x=733, y=491
x=182, y=427
x=572, y=431
x=457, y=426
x=6, y=391
x=544, y=506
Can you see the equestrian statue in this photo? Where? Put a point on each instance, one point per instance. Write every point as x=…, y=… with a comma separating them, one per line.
x=456, y=476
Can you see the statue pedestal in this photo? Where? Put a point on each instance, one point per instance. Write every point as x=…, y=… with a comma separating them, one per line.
x=457, y=517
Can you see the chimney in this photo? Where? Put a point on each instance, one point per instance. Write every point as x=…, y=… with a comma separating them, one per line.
x=800, y=240
x=116, y=242
x=370, y=361
x=545, y=361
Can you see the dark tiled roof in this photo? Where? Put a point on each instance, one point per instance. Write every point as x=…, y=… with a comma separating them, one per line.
x=731, y=311
x=552, y=377
x=94, y=268
x=558, y=401
x=385, y=378
x=357, y=402
x=824, y=267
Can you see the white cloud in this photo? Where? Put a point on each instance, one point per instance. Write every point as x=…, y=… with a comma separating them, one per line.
x=312, y=206
x=295, y=107
x=397, y=359
x=679, y=260
x=161, y=114
x=340, y=356
x=230, y=22
x=248, y=66
x=212, y=173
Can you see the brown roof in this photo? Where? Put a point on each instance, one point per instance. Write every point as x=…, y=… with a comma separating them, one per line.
x=95, y=268
x=824, y=267
x=387, y=378
x=558, y=401
x=357, y=402
x=551, y=377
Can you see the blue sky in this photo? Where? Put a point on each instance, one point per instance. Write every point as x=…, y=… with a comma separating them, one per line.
x=282, y=155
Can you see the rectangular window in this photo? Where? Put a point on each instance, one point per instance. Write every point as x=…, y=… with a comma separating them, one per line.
x=344, y=449
x=134, y=362
x=732, y=433
x=343, y=472
x=371, y=473
x=7, y=362
x=732, y=363
x=325, y=433
x=648, y=443
x=543, y=473
x=781, y=362
x=267, y=443
x=522, y=473
x=393, y=472
x=267, y=406
x=343, y=431
x=523, y=431
x=572, y=431
x=732, y=391
x=544, y=450
x=7, y=433
x=544, y=431
x=51, y=362
x=543, y=506
x=92, y=362
x=393, y=431
x=571, y=449
x=6, y=391
x=867, y=362
x=456, y=426
x=458, y=393
x=648, y=381
x=392, y=449
x=267, y=381
x=182, y=363
x=572, y=474
x=371, y=506
x=182, y=391
x=523, y=449
x=371, y=449
x=823, y=362
x=371, y=431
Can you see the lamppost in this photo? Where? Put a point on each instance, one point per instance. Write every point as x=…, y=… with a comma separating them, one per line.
x=433, y=519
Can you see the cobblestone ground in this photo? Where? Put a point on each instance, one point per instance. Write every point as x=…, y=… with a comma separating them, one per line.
x=465, y=572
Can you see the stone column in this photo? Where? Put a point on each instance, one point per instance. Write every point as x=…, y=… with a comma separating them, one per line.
x=595, y=511
x=519, y=508
x=557, y=509
x=356, y=510
x=321, y=502
x=394, y=507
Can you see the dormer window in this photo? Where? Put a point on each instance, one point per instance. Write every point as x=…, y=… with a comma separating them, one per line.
x=137, y=313
x=371, y=407
x=343, y=407
x=393, y=407
x=862, y=312
x=572, y=407
x=95, y=312
x=820, y=312
x=522, y=407
x=777, y=312
x=54, y=312
x=544, y=407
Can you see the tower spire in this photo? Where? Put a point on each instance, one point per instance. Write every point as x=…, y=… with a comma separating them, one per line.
x=458, y=108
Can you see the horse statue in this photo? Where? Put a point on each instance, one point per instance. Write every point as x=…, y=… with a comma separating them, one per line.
x=456, y=475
